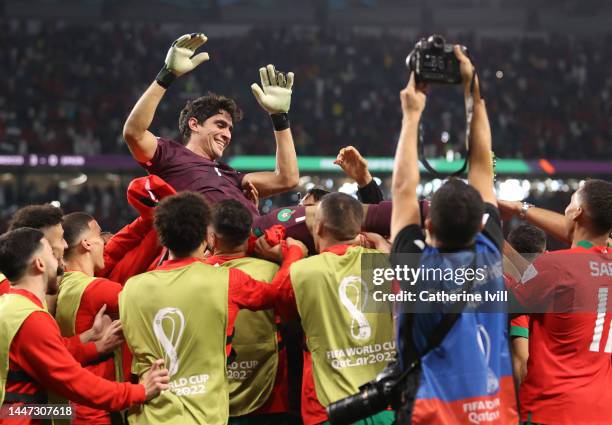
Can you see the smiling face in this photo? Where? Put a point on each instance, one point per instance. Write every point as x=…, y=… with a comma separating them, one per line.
x=213, y=135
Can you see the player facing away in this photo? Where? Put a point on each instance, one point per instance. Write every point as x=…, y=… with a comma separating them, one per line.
x=257, y=374
x=185, y=311
x=569, y=369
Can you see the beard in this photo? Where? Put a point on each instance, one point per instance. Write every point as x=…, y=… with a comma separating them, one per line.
x=52, y=285
x=53, y=280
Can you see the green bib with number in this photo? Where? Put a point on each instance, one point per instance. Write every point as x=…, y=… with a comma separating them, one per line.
x=180, y=315
x=14, y=310
x=349, y=347
x=252, y=374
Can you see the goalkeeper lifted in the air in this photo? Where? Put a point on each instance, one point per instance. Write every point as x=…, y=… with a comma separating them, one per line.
x=205, y=126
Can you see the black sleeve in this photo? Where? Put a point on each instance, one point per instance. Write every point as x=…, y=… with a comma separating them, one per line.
x=492, y=228
x=410, y=240
x=370, y=193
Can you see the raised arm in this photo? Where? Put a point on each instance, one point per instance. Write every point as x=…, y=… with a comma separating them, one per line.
x=179, y=60
x=551, y=222
x=356, y=167
x=480, y=174
x=275, y=98
x=406, y=165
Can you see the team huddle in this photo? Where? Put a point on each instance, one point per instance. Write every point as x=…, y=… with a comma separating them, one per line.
x=203, y=311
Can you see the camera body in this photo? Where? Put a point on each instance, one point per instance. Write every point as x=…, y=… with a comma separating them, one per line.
x=433, y=61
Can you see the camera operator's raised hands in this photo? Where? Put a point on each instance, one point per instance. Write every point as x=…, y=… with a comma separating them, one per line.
x=413, y=97
x=467, y=70
x=406, y=166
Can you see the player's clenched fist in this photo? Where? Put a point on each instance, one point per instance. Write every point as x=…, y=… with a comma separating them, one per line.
x=274, y=95
x=180, y=58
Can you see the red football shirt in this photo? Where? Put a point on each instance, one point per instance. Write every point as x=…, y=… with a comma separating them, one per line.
x=278, y=402
x=570, y=362
x=97, y=293
x=39, y=351
x=5, y=286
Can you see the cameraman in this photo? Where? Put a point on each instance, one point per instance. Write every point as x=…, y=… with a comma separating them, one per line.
x=471, y=361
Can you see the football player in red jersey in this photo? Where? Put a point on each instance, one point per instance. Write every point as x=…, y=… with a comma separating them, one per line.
x=530, y=242
x=569, y=368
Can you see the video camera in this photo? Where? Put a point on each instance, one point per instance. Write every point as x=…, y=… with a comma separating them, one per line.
x=434, y=61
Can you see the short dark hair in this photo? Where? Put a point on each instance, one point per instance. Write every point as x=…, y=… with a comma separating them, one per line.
x=456, y=213
x=16, y=250
x=528, y=240
x=36, y=217
x=181, y=222
x=597, y=196
x=74, y=225
x=341, y=215
x=232, y=221
x=205, y=107
x=317, y=193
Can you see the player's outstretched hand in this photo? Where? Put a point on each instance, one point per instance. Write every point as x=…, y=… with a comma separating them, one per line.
x=274, y=95
x=155, y=380
x=180, y=58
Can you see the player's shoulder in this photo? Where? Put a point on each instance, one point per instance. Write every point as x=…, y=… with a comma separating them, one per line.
x=107, y=284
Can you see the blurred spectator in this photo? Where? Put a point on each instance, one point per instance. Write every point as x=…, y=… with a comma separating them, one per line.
x=70, y=88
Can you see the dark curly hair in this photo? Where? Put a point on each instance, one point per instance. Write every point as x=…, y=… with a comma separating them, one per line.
x=528, y=240
x=232, y=222
x=16, y=250
x=205, y=107
x=181, y=222
x=597, y=196
x=36, y=217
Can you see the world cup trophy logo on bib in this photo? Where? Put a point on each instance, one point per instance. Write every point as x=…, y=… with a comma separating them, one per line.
x=168, y=326
x=354, y=288
x=484, y=342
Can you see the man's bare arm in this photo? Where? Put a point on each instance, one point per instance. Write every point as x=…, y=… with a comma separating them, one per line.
x=180, y=59
x=551, y=222
x=286, y=175
x=480, y=173
x=406, y=166
x=141, y=142
x=274, y=96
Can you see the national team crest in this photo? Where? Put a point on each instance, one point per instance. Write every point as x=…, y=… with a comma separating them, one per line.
x=285, y=214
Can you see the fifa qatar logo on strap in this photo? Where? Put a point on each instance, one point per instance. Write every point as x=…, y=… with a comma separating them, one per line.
x=353, y=287
x=175, y=324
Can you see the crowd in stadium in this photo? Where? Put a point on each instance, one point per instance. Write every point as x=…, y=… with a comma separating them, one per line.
x=153, y=320
x=64, y=96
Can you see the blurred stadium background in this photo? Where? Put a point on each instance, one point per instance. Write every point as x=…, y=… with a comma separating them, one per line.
x=73, y=69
